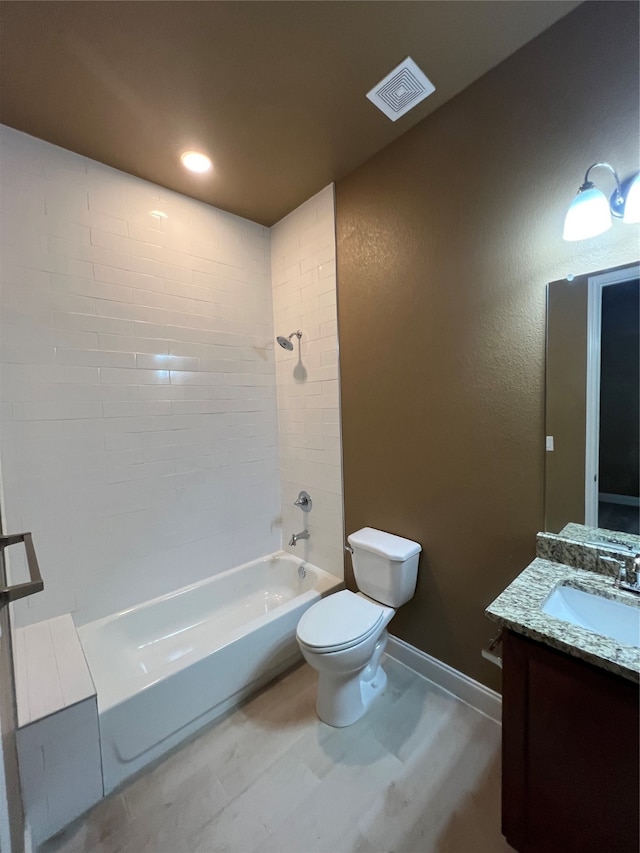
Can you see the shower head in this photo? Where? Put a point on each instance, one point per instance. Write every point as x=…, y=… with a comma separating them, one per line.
x=285, y=343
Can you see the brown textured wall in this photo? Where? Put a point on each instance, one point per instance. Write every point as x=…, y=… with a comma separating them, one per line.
x=446, y=240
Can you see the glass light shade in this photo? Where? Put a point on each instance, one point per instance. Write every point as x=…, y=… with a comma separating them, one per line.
x=632, y=203
x=588, y=216
x=196, y=162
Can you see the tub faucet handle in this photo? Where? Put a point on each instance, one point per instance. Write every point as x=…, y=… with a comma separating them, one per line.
x=304, y=501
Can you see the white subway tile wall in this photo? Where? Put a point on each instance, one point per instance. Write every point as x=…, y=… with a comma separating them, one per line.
x=139, y=424
x=303, y=268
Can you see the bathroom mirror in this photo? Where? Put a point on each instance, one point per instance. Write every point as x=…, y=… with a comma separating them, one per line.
x=592, y=466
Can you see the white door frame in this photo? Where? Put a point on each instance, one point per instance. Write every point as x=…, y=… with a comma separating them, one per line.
x=596, y=284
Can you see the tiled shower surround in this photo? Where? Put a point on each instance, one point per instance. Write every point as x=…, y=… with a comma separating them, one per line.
x=138, y=383
x=303, y=264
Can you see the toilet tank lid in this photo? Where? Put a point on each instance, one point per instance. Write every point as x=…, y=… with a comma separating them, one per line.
x=384, y=544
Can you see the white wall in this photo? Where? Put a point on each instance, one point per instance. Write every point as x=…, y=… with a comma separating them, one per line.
x=12, y=824
x=5, y=839
x=303, y=268
x=139, y=428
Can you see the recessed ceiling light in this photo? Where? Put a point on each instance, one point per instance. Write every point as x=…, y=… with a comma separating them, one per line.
x=196, y=162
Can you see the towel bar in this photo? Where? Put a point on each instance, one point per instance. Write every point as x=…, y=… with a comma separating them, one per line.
x=35, y=582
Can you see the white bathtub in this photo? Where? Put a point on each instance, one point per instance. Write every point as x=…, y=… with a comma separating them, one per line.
x=167, y=667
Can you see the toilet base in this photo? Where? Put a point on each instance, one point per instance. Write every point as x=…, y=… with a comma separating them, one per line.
x=344, y=698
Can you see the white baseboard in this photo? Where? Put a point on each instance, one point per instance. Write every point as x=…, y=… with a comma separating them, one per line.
x=623, y=500
x=28, y=841
x=469, y=691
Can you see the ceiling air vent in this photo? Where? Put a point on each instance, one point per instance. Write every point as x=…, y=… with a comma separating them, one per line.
x=401, y=90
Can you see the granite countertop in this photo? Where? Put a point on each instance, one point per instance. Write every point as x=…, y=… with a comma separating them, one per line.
x=601, y=551
x=600, y=536
x=519, y=608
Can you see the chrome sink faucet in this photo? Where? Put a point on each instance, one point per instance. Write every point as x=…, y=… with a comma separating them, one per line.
x=629, y=579
x=295, y=536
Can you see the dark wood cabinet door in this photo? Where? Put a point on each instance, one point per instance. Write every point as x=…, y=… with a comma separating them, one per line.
x=570, y=754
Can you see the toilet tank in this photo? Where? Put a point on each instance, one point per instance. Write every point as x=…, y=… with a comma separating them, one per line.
x=385, y=566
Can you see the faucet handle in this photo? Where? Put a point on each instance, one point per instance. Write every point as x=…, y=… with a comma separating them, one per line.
x=628, y=578
x=304, y=502
x=621, y=565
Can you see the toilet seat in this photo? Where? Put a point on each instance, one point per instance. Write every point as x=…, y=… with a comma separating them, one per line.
x=340, y=621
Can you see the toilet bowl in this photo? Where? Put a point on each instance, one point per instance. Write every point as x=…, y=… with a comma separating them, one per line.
x=343, y=639
x=344, y=635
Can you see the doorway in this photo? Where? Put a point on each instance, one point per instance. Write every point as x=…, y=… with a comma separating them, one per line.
x=612, y=463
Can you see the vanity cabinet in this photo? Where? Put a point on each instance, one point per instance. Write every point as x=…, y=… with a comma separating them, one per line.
x=570, y=762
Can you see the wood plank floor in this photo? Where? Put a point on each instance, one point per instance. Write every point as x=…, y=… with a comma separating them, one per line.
x=420, y=773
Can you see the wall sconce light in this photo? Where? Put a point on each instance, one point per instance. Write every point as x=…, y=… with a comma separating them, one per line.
x=590, y=212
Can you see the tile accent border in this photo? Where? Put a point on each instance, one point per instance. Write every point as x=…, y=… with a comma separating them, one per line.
x=466, y=689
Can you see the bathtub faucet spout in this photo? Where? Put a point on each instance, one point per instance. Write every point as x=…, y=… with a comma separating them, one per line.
x=295, y=536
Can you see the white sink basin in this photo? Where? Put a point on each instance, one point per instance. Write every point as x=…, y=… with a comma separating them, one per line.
x=610, y=618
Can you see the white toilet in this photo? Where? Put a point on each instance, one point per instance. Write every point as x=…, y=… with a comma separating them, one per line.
x=344, y=635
